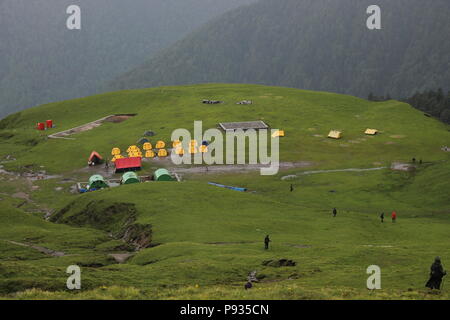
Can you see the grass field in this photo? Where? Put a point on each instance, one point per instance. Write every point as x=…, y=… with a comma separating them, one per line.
x=204, y=240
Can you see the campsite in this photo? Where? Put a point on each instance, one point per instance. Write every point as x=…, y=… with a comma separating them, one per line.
x=155, y=230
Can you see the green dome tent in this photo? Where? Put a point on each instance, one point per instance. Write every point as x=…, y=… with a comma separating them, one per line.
x=129, y=178
x=97, y=182
x=162, y=175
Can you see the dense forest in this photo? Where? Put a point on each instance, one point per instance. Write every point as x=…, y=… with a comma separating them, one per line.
x=312, y=44
x=434, y=103
x=42, y=61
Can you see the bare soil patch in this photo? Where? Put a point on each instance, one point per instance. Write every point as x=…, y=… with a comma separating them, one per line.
x=399, y=166
x=116, y=118
x=121, y=257
x=47, y=251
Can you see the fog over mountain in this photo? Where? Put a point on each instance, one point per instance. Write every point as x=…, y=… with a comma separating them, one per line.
x=312, y=44
x=42, y=61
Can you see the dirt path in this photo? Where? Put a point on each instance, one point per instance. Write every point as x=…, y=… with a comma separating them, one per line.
x=328, y=171
x=115, y=118
x=236, y=167
x=44, y=250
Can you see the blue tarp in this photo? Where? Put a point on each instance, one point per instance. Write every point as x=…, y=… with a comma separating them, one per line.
x=228, y=187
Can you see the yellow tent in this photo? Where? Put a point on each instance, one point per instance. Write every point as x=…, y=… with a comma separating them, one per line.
x=117, y=156
x=132, y=149
x=176, y=143
x=162, y=153
x=371, y=131
x=133, y=154
x=203, y=149
x=179, y=151
x=149, y=154
x=160, y=145
x=278, y=133
x=147, y=146
x=115, y=151
x=335, y=134
x=192, y=149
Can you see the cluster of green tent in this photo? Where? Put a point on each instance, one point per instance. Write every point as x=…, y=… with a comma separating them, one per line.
x=97, y=181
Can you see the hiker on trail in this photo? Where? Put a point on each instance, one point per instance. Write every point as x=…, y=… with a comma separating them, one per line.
x=414, y=160
x=436, y=274
x=334, y=212
x=266, y=242
x=394, y=216
x=420, y=161
x=292, y=188
x=382, y=217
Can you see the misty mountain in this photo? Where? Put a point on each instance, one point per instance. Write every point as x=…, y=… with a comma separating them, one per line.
x=312, y=44
x=42, y=61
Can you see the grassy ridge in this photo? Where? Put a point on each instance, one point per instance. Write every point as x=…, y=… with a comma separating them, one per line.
x=306, y=116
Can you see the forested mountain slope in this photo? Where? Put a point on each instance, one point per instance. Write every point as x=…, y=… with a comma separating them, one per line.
x=313, y=44
x=42, y=61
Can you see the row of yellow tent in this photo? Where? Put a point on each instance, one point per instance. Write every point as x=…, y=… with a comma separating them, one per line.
x=135, y=151
x=336, y=134
x=192, y=150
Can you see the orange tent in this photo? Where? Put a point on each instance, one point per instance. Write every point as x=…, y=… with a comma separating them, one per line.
x=95, y=158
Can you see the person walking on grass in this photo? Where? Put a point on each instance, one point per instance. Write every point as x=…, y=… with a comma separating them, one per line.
x=292, y=188
x=382, y=217
x=266, y=242
x=334, y=212
x=394, y=216
x=437, y=272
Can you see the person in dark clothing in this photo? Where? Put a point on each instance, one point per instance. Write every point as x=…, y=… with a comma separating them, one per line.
x=266, y=242
x=334, y=212
x=292, y=188
x=414, y=160
x=436, y=274
x=382, y=217
x=248, y=285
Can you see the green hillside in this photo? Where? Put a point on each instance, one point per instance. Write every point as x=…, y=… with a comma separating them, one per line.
x=193, y=240
x=311, y=44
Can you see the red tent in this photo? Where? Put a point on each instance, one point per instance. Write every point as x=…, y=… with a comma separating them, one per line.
x=94, y=158
x=128, y=164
